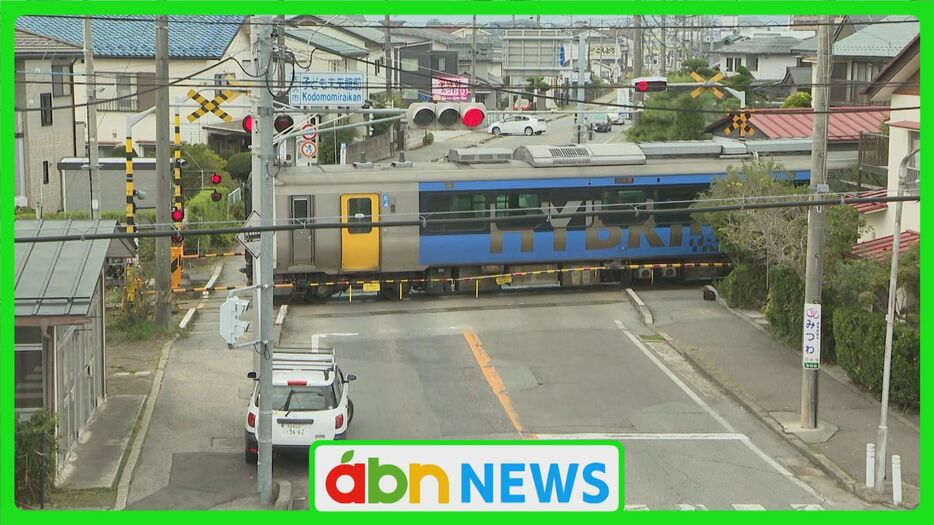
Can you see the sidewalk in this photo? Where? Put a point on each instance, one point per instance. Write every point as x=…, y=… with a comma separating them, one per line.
x=764, y=376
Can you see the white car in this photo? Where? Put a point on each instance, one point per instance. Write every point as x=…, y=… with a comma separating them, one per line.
x=518, y=125
x=310, y=401
x=616, y=118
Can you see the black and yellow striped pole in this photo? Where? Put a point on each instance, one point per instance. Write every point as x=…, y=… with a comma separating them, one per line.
x=130, y=219
x=178, y=162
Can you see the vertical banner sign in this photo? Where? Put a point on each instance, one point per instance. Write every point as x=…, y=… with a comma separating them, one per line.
x=810, y=343
x=622, y=99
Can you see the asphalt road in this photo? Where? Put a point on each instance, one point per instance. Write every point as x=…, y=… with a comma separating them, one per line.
x=546, y=364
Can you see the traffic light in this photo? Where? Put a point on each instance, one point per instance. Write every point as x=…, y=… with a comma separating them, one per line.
x=650, y=84
x=216, y=196
x=231, y=327
x=178, y=215
x=281, y=123
x=446, y=115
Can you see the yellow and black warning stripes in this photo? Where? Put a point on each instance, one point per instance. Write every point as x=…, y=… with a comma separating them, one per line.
x=178, y=163
x=211, y=105
x=207, y=255
x=130, y=201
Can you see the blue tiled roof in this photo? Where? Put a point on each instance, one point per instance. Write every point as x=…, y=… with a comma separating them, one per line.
x=135, y=36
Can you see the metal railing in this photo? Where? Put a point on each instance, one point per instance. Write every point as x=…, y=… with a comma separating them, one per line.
x=129, y=105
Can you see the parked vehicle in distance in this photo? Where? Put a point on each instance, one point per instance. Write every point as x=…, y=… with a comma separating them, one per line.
x=310, y=402
x=616, y=118
x=603, y=127
x=518, y=125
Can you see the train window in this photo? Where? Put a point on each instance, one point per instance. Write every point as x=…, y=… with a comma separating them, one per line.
x=675, y=197
x=454, y=206
x=300, y=210
x=359, y=210
x=613, y=200
x=517, y=205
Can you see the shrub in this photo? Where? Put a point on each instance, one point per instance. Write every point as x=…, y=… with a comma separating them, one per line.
x=239, y=165
x=34, y=435
x=785, y=311
x=801, y=99
x=860, y=337
x=744, y=287
x=428, y=139
x=204, y=213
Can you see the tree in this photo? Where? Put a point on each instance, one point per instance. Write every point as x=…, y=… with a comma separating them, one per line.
x=239, y=166
x=382, y=101
x=538, y=86
x=697, y=65
x=329, y=143
x=801, y=99
x=673, y=115
x=201, y=161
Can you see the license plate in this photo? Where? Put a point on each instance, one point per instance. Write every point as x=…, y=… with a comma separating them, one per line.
x=293, y=430
x=370, y=287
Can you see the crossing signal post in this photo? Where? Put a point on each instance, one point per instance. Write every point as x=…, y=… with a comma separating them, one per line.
x=216, y=196
x=446, y=115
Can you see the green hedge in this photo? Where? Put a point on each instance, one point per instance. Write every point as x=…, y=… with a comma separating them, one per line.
x=860, y=337
x=30, y=434
x=785, y=311
x=744, y=287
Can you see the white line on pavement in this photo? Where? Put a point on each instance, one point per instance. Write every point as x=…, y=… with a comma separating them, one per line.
x=726, y=425
x=685, y=436
x=747, y=506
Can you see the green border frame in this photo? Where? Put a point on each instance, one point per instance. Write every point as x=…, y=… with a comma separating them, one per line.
x=441, y=515
x=10, y=9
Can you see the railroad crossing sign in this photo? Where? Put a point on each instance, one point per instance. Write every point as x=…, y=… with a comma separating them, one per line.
x=716, y=78
x=211, y=105
x=740, y=120
x=251, y=240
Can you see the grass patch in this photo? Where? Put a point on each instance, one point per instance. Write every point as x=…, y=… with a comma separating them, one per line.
x=653, y=338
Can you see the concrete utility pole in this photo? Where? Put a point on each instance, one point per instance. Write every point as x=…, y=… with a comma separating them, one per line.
x=280, y=45
x=815, y=247
x=663, y=68
x=94, y=172
x=473, y=62
x=581, y=77
x=163, y=193
x=263, y=184
x=890, y=328
x=387, y=49
x=637, y=69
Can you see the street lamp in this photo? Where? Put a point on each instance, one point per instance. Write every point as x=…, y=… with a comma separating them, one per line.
x=890, y=326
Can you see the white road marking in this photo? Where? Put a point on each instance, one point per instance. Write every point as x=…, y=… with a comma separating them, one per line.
x=723, y=422
x=747, y=506
x=806, y=506
x=686, y=506
x=685, y=436
x=635, y=507
x=316, y=337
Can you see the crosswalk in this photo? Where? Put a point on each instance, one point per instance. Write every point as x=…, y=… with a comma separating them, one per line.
x=734, y=506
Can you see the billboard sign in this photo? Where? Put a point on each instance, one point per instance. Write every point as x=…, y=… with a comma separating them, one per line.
x=449, y=88
x=327, y=90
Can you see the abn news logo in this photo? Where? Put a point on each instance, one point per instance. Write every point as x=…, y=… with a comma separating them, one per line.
x=570, y=476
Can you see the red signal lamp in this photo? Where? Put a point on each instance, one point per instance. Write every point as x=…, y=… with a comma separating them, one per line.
x=282, y=123
x=248, y=123
x=473, y=117
x=216, y=196
x=178, y=214
x=215, y=178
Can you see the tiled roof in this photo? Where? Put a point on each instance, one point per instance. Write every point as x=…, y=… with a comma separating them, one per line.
x=866, y=207
x=799, y=76
x=881, y=248
x=326, y=43
x=787, y=123
x=27, y=43
x=189, y=36
x=777, y=45
x=878, y=40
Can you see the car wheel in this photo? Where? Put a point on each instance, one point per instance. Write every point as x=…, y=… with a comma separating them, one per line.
x=349, y=412
x=528, y=132
x=497, y=131
x=249, y=457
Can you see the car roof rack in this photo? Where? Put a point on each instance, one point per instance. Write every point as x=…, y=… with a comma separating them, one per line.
x=321, y=360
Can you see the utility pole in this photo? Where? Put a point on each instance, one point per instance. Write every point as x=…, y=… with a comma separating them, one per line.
x=263, y=184
x=387, y=49
x=163, y=195
x=637, y=69
x=581, y=76
x=280, y=45
x=663, y=70
x=94, y=171
x=815, y=247
x=538, y=21
x=473, y=62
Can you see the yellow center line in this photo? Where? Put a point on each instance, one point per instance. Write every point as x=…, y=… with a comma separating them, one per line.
x=493, y=379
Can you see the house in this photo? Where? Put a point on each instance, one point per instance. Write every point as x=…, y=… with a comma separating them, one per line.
x=60, y=358
x=845, y=125
x=124, y=67
x=766, y=58
x=797, y=79
x=46, y=126
x=897, y=84
x=861, y=48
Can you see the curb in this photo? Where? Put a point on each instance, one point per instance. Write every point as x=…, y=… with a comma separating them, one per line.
x=643, y=309
x=123, y=487
x=283, y=496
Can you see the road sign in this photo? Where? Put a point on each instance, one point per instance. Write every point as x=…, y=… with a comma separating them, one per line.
x=211, y=105
x=309, y=149
x=250, y=240
x=740, y=120
x=449, y=88
x=311, y=134
x=327, y=89
x=810, y=343
x=716, y=78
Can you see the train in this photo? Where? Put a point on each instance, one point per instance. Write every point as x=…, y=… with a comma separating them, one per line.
x=538, y=214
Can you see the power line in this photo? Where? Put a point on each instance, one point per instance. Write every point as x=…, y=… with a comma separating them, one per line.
x=424, y=222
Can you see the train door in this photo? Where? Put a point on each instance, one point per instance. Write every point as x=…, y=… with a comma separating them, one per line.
x=359, y=244
x=302, y=240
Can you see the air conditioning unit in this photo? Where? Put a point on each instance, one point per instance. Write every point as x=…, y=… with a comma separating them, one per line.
x=669, y=273
x=644, y=274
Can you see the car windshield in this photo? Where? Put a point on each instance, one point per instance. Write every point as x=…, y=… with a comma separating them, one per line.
x=301, y=398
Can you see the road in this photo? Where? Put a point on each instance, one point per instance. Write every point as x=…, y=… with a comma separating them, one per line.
x=564, y=364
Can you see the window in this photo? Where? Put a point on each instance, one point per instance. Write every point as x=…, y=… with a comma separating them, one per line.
x=29, y=369
x=517, y=205
x=124, y=84
x=303, y=398
x=614, y=200
x=442, y=64
x=913, y=169
x=752, y=63
x=61, y=80
x=300, y=210
x=45, y=105
x=733, y=63
x=220, y=82
x=334, y=66
x=45, y=172
x=455, y=206
x=359, y=210
x=410, y=64
x=676, y=197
